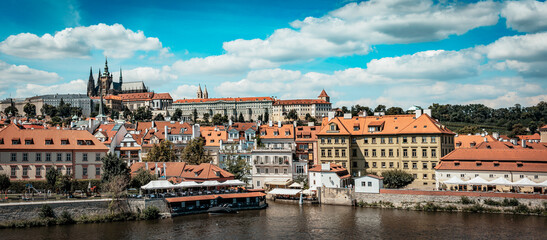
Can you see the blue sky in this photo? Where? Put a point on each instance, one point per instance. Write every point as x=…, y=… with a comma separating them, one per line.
x=391, y=52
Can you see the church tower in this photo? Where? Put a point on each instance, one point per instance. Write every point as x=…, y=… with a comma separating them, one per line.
x=206, y=94
x=200, y=93
x=324, y=96
x=105, y=80
x=91, y=84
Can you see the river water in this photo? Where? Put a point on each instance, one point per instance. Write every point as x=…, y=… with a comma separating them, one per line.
x=286, y=221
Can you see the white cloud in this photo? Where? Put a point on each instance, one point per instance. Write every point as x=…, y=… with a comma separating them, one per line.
x=431, y=64
x=21, y=74
x=75, y=86
x=150, y=76
x=510, y=99
x=114, y=40
x=525, y=16
x=221, y=65
x=184, y=91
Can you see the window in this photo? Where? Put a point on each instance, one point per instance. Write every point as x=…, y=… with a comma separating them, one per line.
x=424, y=165
x=285, y=171
x=390, y=164
x=329, y=153
x=382, y=140
x=476, y=175
x=38, y=157
x=415, y=176
x=343, y=140
x=424, y=139
x=13, y=171
x=84, y=158
x=424, y=153
x=366, y=140
x=354, y=164
x=322, y=152
x=354, y=152
x=373, y=164
x=64, y=142
x=329, y=140
x=97, y=157
x=68, y=170
x=491, y=176
x=49, y=141
x=433, y=153
x=258, y=170
x=343, y=152
x=383, y=152
x=363, y=184
x=258, y=183
x=29, y=142
x=414, y=154
x=59, y=157
x=373, y=152
x=390, y=140
x=353, y=140
x=506, y=176
x=25, y=157
x=276, y=171
x=84, y=171
x=413, y=139
x=433, y=165
x=370, y=184
x=405, y=152
x=405, y=140
x=25, y=171
x=414, y=165
x=322, y=140
x=383, y=165
x=48, y=157
x=373, y=140
x=336, y=140
x=521, y=176
x=14, y=157
x=433, y=139
x=536, y=176
x=391, y=152
x=336, y=153
x=69, y=157
x=38, y=171
x=266, y=170
x=424, y=176
x=16, y=141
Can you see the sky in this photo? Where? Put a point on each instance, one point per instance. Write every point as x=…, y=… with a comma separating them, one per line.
x=391, y=52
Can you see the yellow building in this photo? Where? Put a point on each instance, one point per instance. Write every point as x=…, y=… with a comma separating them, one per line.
x=373, y=144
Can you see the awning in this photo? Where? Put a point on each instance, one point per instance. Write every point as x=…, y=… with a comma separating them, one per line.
x=235, y=182
x=284, y=191
x=543, y=184
x=158, y=184
x=501, y=181
x=525, y=182
x=282, y=183
x=296, y=185
x=454, y=180
x=477, y=181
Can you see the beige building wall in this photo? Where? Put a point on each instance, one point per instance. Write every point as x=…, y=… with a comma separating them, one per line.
x=334, y=149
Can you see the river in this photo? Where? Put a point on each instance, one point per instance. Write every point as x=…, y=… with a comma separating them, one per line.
x=285, y=221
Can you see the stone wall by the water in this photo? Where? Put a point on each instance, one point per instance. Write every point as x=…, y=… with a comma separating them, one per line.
x=30, y=210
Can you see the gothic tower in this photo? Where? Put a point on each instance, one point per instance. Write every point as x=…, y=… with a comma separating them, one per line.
x=200, y=93
x=324, y=96
x=206, y=94
x=91, y=84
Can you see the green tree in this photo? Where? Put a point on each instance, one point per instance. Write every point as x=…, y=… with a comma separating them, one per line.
x=11, y=111
x=292, y=115
x=51, y=177
x=380, y=108
x=63, y=109
x=48, y=110
x=114, y=114
x=177, y=115
x=195, y=115
x=394, y=111
x=194, y=152
x=241, y=118
x=159, y=117
x=64, y=183
x=114, y=166
x=469, y=130
x=266, y=116
x=126, y=112
x=30, y=110
x=116, y=185
x=217, y=119
x=238, y=166
x=5, y=182
x=518, y=129
x=397, y=178
x=143, y=114
x=206, y=117
x=142, y=177
x=163, y=152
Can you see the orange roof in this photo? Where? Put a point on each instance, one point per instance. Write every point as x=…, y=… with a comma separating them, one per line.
x=267, y=132
x=307, y=133
x=241, y=127
x=244, y=99
x=212, y=137
x=339, y=170
x=107, y=131
x=215, y=196
x=529, y=137
x=473, y=154
x=300, y=102
x=136, y=96
x=60, y=139
x=162, y=96
x=543, y=128
x=495, y=145
x=173, y=169
x=205, y=171
x=323, y=94
x=465, y=141
x=490, y=166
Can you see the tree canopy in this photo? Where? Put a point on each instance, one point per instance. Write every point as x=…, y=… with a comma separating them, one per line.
x=142, y=177
x=143, y=114
x=397, y=178
x=163, y=152
x=5, y=182
x=114, y=166
x=237, y=166
x=194, y=152
x=292, y=115
x=30, y=110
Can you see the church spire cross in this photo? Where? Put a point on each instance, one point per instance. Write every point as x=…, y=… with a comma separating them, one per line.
x=106, y=65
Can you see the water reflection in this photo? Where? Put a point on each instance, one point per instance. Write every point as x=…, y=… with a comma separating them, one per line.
x=282, y=221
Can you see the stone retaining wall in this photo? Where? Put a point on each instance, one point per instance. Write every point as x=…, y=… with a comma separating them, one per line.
x=137, y=205
x=30, y=210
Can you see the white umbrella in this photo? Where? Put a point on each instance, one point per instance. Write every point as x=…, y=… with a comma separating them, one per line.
x=295, y=185
x=543, y=184
x=454, y=180
x=477, y=181
x=235, y=182
x=525, y=182
x=158, y=184
x=501, y=181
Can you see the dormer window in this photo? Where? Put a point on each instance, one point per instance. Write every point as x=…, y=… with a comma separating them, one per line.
x=81, y=142
x=333, y=127
x=29, y=141
x=49, y=141
x=276, y=133
x=64, y=142
x=1, y=141
x=16, y=141
x=287, y=133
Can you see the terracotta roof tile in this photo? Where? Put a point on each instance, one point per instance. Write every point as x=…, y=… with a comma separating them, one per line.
x=300, y=102
x=244, y=99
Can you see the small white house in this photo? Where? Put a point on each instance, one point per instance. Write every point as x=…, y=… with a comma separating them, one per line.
x=328, y=175
x=369, y=184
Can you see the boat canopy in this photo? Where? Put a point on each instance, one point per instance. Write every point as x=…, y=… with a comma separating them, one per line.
x=285, y=191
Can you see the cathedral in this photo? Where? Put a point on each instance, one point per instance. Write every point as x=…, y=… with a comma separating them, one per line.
x=106, y=86
x=202, y=95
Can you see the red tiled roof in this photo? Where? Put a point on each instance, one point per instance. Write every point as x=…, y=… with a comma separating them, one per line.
x=300, y=102
x=162, y=96
x=464, y=141
x=473, y=154
x=136, y=96
x=215, y=196
x=267, y=132
x=543, y=128
x=39, y=137
x=244, y=99
x=339, y=170
x=307, y=133
x=323, y=94
x=529, y=137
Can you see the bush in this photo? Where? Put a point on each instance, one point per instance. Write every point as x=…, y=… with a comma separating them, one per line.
x=397, y=178
x=476, y=208
x=491, y=202
x=46, y=212
x=510, y=202
x=521, y=208
x=466, y=200
x=150, y=213
x=65, y=218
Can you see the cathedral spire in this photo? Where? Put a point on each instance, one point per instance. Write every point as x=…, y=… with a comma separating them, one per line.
x=106, y=65
x=91, y=84
x=121, y=80
x=200, y=93
x=206, y=94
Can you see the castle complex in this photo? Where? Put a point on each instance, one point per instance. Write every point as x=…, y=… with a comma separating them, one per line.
x=106, y=86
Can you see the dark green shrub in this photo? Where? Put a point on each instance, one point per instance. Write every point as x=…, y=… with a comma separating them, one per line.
x=46, y=212
x=521, y=208
x=476, y=208
x=466, y=200
x=150, y=213
x=491, y=202
x=510, y=202
x=430, y=207
x=65, y=218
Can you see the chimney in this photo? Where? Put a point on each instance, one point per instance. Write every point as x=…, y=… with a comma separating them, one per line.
x=270, y=123
x=485, y=139
x=146, y=165
x=419, y=112
x=363, y=114
x=230, y=122
x=427, y=111
x=153, y=125
x=496, y=135
x=279, y=124
x=165, y=132
x=330, y=115
x=523, y=143
x=164, y=170
x=310, y=124
x=325, y=166
x=347, y=115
